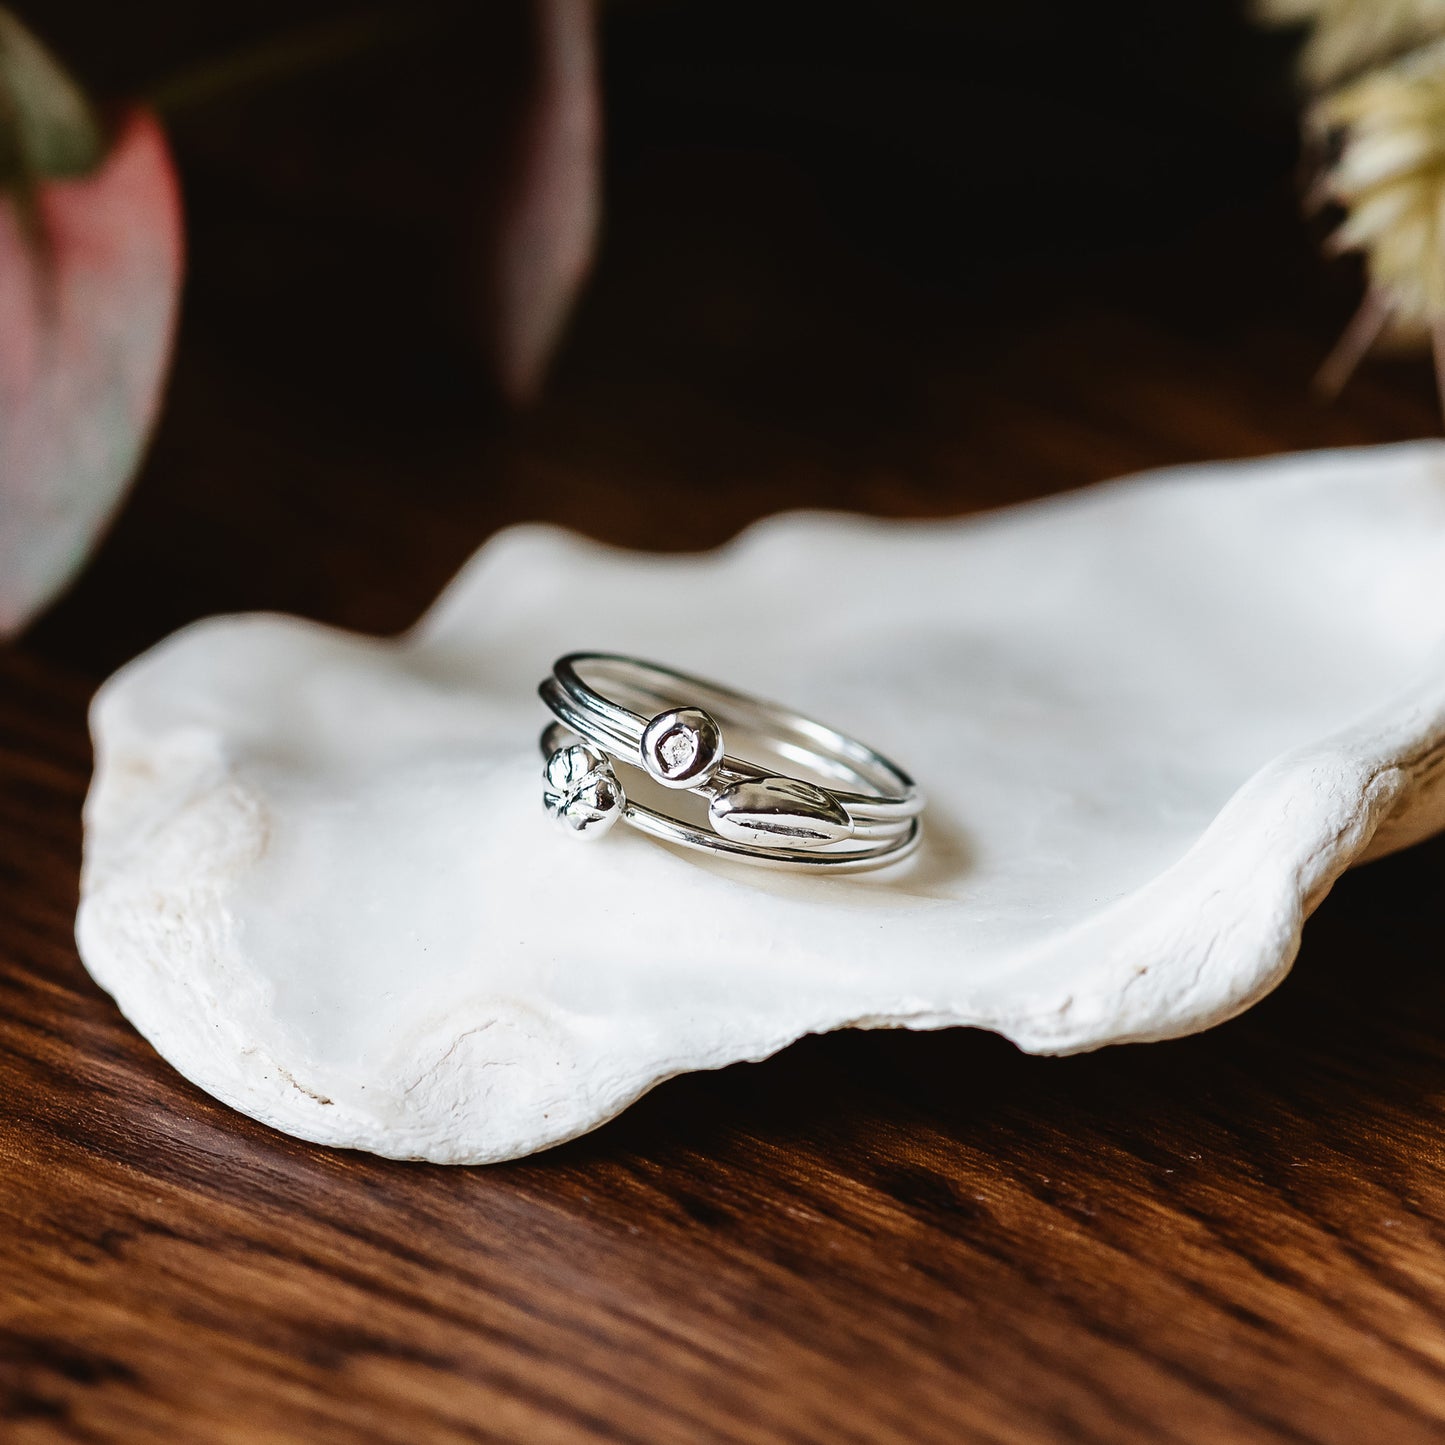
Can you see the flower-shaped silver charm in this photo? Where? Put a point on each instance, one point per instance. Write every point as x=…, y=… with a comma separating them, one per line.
x=581, y=791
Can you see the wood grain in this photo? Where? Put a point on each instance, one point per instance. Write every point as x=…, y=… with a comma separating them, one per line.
x=885, y=1237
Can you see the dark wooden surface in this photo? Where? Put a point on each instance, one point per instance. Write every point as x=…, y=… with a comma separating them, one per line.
x=885, y=1237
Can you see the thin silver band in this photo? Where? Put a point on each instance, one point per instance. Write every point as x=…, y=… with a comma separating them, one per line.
x=862, y=813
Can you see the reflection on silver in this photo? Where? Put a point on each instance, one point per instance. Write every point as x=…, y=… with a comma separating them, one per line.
x=581, y=791
x=669, y=726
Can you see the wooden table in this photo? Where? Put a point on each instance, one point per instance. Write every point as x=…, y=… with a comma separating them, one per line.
x=871, y=1237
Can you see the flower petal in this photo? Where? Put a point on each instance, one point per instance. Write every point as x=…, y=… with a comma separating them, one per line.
x=89, y=285
x=548, y=227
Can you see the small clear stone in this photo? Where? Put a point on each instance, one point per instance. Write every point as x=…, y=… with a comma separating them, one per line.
x=678, y=749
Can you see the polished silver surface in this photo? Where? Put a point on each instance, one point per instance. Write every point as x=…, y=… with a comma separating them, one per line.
x=765, y=810
x=580, y=790
x=855, y=810
x=682, y=747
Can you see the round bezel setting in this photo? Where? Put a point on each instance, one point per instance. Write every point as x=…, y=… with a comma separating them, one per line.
x=682, y=748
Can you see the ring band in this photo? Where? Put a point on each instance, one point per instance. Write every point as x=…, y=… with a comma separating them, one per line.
x=860, y=811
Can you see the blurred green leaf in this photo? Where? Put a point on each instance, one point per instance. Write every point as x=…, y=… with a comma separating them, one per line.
x=48, y=128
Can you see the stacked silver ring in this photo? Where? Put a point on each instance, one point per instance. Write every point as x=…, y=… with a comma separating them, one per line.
x=862, y=811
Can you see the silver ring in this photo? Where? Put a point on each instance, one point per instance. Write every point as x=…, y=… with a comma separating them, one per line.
x=858, y=810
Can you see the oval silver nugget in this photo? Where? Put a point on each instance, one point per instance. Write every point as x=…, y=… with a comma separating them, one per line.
x=779, y=813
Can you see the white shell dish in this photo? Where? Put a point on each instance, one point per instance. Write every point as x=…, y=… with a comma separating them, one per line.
x=1154, y=720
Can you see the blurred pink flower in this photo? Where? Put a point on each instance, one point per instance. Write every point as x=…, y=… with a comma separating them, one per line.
x=90, y=273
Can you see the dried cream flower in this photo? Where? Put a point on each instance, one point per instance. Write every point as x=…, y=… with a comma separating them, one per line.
x=1348, y=36
x=1390, y=178
x=1381, y=122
